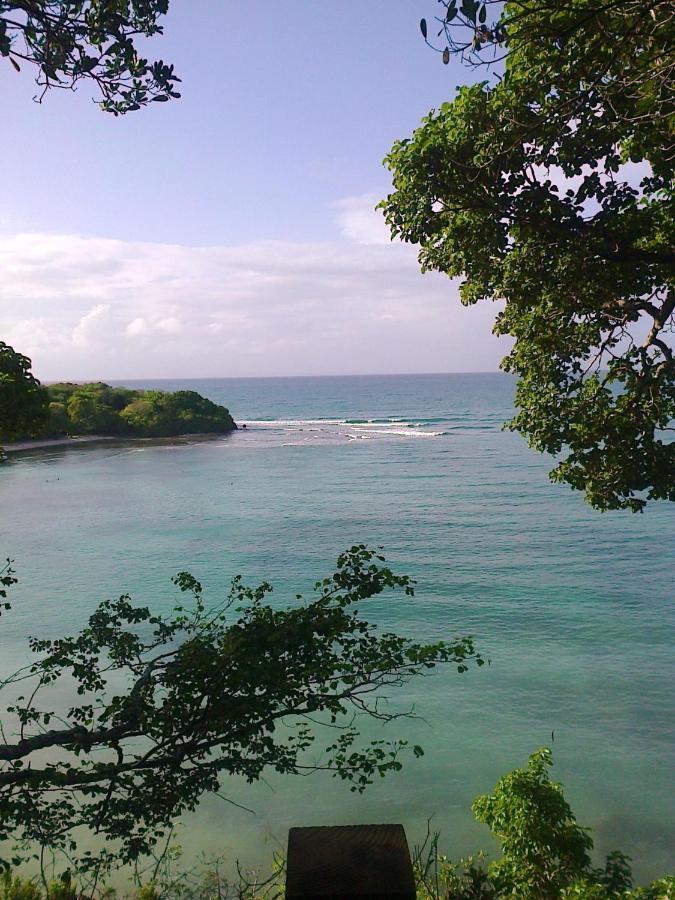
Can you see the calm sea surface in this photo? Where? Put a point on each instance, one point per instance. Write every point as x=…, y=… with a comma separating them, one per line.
x=574, y=608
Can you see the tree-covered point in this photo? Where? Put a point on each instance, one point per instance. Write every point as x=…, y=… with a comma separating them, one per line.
x=98, y=408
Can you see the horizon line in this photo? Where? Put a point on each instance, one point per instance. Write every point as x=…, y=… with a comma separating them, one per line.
x=262, y=377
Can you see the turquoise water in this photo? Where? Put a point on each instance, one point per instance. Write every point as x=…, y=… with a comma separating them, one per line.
x=574, y=608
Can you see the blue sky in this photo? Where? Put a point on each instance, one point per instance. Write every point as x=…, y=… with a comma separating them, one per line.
x=232, y=232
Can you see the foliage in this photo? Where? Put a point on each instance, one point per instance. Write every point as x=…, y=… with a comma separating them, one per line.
x=165, y=707
x=206, y=880
x=68, y=41
x=23, y=401
x=438, y=878
x=87, y=413
x=523, y=187
x=183, y=412
x=15, y=888
x=545, y=853
x=467, y=32
x=98, y=408
x=59, y=422
x=7, y=579
x=543, y=848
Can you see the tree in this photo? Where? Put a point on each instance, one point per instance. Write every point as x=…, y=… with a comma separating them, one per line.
x=59, y=423
x=543, y=848
x=23, y=401
x=162, y=414
x=88, y=414
x=163, y=708
x=68, y=41
x=525, y=186
x=545, y=853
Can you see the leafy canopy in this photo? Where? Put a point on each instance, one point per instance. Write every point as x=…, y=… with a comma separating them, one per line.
x=551, y=188
x=68, y=41
x=543, y=847
x=157, y=413
x=164, y=707
x=99, y=409
x=23, y=402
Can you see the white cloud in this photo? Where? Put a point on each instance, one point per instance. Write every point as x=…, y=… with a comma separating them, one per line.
x=86, y=307
x=92, y=326
x=170, y=325
x=359, y=221
x=136, y=327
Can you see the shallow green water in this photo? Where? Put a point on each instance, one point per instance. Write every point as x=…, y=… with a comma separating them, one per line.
x=574, y=608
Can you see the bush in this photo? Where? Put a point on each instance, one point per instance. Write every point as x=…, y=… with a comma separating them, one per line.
x=158, y=414
x=59, y=423
x=545, y=852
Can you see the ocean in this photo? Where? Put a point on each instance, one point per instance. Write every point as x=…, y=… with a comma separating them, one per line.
x=574, y=608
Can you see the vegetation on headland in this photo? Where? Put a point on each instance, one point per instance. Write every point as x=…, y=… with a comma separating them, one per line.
x=98, y=408
x=31, y=410
x=545, y=855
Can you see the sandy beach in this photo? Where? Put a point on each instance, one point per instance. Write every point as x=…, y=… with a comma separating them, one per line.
x=88, y=439
x=18, y=446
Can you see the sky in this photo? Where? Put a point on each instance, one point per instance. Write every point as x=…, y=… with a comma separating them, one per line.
x=232, y=232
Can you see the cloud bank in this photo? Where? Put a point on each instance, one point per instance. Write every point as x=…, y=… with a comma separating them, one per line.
x=86, y=307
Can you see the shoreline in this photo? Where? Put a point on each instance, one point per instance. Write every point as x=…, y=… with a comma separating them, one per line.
x=87, y=440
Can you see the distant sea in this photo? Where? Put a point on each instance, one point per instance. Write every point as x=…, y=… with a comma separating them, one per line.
x=574, y=608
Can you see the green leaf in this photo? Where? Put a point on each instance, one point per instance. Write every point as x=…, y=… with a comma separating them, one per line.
x=423, y=28
x=469, y=8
